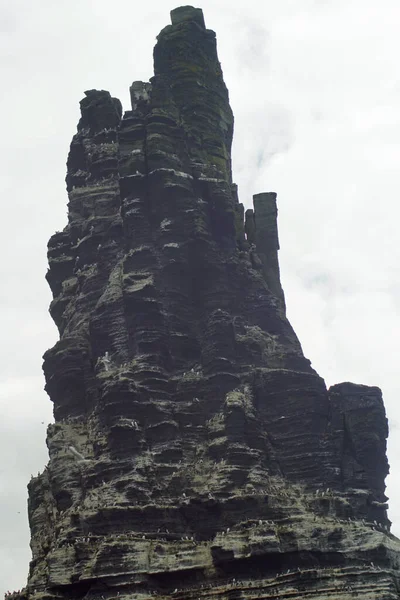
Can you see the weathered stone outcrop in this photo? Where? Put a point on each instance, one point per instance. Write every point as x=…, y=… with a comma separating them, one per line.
x=195, y=453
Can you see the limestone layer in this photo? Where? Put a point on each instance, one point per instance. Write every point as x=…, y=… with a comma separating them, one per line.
x=195, y=453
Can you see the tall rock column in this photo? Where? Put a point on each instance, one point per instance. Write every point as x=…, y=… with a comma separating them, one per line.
x=195, y=453
x=262, y=233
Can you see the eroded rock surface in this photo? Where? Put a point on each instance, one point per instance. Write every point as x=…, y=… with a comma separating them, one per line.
x=195, y=453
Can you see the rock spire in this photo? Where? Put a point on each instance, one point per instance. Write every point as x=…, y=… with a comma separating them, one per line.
x=195, y=453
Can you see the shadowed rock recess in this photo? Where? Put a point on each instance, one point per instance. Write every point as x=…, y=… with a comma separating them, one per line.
x=195, y=453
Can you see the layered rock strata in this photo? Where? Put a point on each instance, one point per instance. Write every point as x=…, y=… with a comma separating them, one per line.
x=195, y=453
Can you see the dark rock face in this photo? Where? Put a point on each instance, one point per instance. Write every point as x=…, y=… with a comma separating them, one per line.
x=195, y=453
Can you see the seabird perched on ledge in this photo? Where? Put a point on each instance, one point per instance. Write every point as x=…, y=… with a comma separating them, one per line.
x=106, y=361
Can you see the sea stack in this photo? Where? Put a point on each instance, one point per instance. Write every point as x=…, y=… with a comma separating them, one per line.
x=208, y=460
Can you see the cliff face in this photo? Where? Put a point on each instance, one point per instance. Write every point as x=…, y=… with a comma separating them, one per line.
x=195, y=453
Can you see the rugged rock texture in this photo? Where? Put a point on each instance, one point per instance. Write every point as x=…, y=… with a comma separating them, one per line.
x=195, y=453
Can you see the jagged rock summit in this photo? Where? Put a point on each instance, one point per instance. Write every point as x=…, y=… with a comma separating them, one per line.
x=195, y=453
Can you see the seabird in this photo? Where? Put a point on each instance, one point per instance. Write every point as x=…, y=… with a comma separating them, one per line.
x=106, y=361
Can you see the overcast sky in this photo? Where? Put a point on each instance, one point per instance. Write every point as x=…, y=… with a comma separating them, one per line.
x=315, y=89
